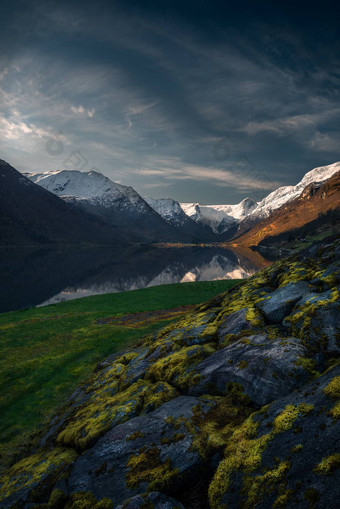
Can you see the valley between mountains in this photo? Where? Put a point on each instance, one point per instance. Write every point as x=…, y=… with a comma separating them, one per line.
x=212, y=395
x=72, y=207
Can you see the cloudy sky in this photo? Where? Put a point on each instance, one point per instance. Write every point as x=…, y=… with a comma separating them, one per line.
x=200, y=101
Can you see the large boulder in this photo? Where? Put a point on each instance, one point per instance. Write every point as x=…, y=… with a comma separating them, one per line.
x=266, y=368
x=286, y=455
x=316, y=320
x=234, y=324
x=149, y=452
x=278, y=304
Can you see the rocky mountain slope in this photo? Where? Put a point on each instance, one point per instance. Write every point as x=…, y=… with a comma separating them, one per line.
x=222, y=219
x=315, y=199
x=166, y=220
x=282, y=197
x=234, y=220
x=120, y=206
x=234, y=405
x=31, y=215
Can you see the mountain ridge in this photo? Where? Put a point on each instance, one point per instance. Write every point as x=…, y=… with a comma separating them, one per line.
x=314, y=200
x=167, y=220
x=31, y=215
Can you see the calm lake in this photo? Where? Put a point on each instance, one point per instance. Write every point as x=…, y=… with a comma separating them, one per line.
x=33, y=277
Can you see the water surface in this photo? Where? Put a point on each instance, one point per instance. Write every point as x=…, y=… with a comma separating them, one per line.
x=33, y=277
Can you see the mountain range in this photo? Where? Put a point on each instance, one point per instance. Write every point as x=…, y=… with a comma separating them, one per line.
x=71, y=206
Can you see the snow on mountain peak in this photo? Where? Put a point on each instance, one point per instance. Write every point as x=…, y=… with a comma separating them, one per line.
x=95, y=189
x=168, y=209
x=77, y=184
x=285, y=194
x=92, y=187
x=218, y=217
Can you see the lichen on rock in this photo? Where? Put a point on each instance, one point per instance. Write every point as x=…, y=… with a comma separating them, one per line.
x=229, y=401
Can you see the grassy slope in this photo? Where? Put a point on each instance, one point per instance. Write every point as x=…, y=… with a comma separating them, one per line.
x=45, y=352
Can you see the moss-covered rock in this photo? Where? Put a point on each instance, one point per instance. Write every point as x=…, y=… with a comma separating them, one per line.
x=32, y=479
x=182, y=413
x=266, y=368
x=281, y=452
x=119, y=469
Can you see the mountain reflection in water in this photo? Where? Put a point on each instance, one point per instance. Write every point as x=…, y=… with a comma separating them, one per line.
x=38, y=277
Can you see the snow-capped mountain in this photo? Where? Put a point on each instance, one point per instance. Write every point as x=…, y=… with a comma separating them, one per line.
x=282, y=195
x=171, y=211
x=117, y=204
x=92, y=187
x=31, y=215
x=220, y=218
x=166, y=220
x=168, y=209
x=227, y=221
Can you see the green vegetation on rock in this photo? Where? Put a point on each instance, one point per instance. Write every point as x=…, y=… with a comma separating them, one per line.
x=45, y=352
x=226, y=402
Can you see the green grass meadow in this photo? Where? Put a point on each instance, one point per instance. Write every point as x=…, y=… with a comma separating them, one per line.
x=45, y=352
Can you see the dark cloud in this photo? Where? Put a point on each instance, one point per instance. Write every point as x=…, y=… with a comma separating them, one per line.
x=206, y=101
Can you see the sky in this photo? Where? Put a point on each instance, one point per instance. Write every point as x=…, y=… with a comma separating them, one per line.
x=204, y=101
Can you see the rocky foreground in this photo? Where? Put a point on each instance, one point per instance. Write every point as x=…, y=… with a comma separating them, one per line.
x=235, y=405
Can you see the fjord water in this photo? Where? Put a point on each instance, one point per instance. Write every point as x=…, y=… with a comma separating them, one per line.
x=33, y=277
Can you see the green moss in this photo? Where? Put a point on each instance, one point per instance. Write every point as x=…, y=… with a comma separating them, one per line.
x=333, y=388
x=305, y=408
x=308, y=364
x=57, y=499
x=100, y=412
x=244, y=451
x=242, y=364
x=32, y=470
x=135, y=435
x=335, y=411
x=177, y=368
x=283, y=499
x=328, y=465
x=177, y=437
x=159, y=393
x=286, y=418
x=148, y=467
x=108, y=406
x=257, y=487
x=297, y=271
x=86, y=500
x=296, y=448
x=212, y=430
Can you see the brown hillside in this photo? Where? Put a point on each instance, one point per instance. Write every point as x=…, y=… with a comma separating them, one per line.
x=315, y=200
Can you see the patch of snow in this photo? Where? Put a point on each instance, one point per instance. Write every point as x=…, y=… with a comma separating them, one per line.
x=168, y=209
x=285, y=194
x=219, y=217
x=91, y=187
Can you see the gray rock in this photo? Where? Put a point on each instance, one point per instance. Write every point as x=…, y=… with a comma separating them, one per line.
x=155, y=499
x=265, y=368
x=234, y=324
x=194, y=335
x=314, y=298
x=280, y=303
x=103, y=468
x=324, y=328
x=312, y=436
